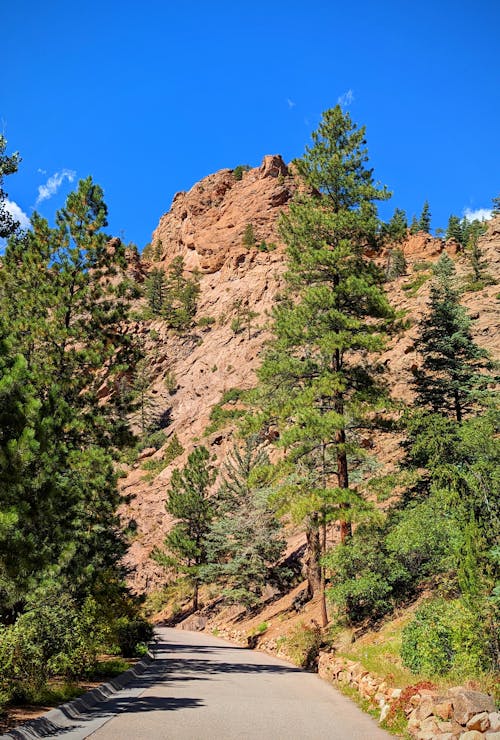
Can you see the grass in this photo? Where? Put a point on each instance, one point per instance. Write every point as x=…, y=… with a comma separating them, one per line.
x=154, y=467
x=415, y=285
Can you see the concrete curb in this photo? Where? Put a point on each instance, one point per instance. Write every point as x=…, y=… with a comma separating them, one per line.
x=56, y=720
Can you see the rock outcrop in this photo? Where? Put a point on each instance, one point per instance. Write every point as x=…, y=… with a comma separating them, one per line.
x=206, y=227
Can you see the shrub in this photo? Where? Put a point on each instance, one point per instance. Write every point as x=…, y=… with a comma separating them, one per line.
x=302, y=645
x=447, y=637
x=239, y=170
x=131, y=635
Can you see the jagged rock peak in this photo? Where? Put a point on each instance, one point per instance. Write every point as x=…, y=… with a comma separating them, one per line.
x=206, y=225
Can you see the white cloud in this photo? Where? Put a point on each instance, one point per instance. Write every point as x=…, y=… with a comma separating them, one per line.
x=17, y=213
x=291, y=104
x=53, y=184
x=480, y=214
x=346, y=98
x=41, y=172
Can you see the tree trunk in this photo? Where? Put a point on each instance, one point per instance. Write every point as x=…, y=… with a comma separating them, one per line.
x=313, y=556
x=195, y=597
x=324, y=613
x=458, y=408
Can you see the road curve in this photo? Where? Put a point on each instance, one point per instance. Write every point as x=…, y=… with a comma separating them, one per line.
x=203, y=688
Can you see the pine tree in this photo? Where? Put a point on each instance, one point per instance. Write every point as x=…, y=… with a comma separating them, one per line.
x=424, y=222
x=397, y=228
x=495, y=211
x=249, y=239
x=59, y=299
x=189, y=502
x=8, y=166
x=454, y=230
x=396, y=264
x=317, y=379
x=449, y=377
x=245, y=539
x=156, y=291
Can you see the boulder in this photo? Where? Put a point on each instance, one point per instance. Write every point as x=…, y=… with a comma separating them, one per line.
x=468, y=703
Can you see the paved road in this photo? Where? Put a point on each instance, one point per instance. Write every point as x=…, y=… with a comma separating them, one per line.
x=202, y=688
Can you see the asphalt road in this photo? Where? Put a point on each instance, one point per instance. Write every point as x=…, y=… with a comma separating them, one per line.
x=203, y=688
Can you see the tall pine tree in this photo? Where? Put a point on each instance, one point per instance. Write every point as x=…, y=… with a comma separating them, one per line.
x=318, y=379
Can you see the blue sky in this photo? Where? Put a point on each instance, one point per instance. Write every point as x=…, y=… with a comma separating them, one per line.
x=150, y=98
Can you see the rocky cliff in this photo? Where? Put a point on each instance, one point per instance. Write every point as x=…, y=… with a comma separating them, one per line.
x=206, y=226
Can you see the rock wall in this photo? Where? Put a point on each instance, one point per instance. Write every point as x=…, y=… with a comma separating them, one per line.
x=443, y=715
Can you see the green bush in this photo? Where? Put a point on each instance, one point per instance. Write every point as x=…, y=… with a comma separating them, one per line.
x=447, y=637
x=131, y=635
x=239, y=170
x=302, y=645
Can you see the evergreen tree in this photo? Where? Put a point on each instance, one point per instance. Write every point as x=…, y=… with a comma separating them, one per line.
x=397, y=228
x=245, y=539
x=448, y=380
x=495, y=211
x=317, y=381
x=424, y=222
x=156, y=291
x=414, y=226
x=249, y=239
x=396, y=264
x=454, y=230
x=8, y=166
x=189, y=502
x=57, y=296
x=179, y=306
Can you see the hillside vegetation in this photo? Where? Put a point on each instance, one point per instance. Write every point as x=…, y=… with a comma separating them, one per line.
x=279, y=421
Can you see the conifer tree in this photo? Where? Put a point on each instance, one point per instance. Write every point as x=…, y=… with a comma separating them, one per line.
x=317, y=378
x=58, y=297
x=188, y=501
x=156, y=291
x=424, y=222
x=8, y=166
x=449, y=378
x=245, y=539
x=495, y=211
x=397, y=228
x=454, y=229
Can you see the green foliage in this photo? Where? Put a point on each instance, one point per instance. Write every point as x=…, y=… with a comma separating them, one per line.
x=245, y=539
x=185, y=547
x=414, y=286
x=239, y=170
x=8, y=166
x=450, y=372
x=424, y=222
x=446, y=637
x=173, y=296
x=302, y=645
x=131, y=635
x=313, y=387
x=249, y=238
x=220, y=416
x=396, y=264
x=396, y=230
x=206, y=321
x=172, y=450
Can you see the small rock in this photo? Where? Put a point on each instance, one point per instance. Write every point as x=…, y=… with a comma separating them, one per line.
x=384, y=712
x=472, y=735
x=445, y=727
x=480, y=722
x=494, y=718
x=443, y=709
x=429, y=725
x=396, y=693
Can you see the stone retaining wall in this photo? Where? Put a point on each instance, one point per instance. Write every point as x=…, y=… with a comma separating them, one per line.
x=456, y=713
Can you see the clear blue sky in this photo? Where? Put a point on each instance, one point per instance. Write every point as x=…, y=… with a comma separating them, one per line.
x=149, y=98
